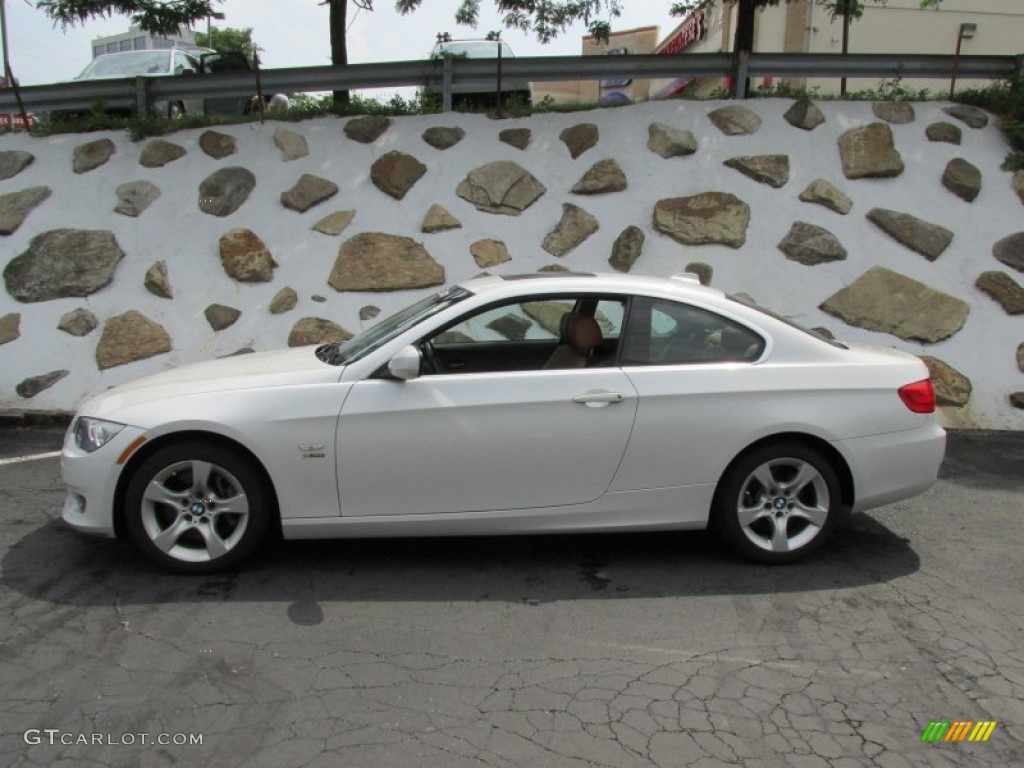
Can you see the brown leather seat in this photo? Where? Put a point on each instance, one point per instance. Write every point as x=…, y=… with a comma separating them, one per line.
x=580, y=335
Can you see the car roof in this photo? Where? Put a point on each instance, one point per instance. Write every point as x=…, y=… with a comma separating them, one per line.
x=685, y=285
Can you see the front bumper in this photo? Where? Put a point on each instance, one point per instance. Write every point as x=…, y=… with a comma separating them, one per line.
x=91, y=481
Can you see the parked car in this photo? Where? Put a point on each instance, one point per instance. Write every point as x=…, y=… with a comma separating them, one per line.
x=169, y=62
x=515, y=404
x=479, y=94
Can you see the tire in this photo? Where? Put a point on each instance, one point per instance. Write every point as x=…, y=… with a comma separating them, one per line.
x=175, y=110
x=778, y=503
x=195, y=508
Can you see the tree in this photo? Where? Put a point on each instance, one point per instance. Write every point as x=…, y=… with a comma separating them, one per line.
x=228, y=39
x=161, y=17
x=545, y=18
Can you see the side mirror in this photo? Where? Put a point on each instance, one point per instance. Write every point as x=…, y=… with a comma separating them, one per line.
x=405, y=365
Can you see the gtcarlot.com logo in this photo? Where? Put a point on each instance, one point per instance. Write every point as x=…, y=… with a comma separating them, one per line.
x=958, y=730
x=54, y=736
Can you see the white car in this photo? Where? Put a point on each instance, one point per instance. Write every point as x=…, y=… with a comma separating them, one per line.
x=515, y=404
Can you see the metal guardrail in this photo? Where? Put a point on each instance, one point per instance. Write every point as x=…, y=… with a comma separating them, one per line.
x=443, y=74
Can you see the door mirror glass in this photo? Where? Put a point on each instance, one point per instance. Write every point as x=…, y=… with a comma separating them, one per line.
x=405, y=365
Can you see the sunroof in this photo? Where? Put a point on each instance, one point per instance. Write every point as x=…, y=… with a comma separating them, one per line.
x=536, y=275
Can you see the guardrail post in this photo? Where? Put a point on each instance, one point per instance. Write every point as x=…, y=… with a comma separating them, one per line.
x=742, y=67
x=446, y=85
x=141, y=97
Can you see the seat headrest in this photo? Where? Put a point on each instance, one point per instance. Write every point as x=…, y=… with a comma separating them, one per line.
x=581, y=331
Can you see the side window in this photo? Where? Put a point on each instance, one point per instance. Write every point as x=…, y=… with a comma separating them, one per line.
x=182, y=64
x=672, y=333
x=549, y=333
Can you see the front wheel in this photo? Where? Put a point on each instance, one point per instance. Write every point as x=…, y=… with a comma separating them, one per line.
x=197, y=508
x=778, y=504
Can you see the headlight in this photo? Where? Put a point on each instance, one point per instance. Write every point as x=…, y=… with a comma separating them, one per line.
x=91, y=434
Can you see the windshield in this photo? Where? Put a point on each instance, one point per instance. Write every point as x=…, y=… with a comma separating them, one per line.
x=340, y=353
x=126, y=64
x=471, y=49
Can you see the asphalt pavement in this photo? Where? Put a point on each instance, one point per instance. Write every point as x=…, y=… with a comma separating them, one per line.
x=576, y=651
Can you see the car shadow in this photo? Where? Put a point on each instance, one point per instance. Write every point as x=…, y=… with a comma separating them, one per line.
x=57, y=565
x=977, y=458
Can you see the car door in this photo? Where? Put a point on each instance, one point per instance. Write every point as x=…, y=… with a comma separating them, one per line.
x=472, y=439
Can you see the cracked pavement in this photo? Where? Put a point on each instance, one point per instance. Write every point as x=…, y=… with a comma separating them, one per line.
x=576, y=651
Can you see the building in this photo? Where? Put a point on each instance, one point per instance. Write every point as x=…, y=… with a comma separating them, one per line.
x=805, y=26
x=137, y=40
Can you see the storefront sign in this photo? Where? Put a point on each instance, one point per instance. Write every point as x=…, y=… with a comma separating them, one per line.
x=689, y=32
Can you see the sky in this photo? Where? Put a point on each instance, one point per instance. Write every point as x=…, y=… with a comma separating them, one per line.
x=293, y=33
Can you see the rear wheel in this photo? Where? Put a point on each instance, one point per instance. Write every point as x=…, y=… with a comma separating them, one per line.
x=197, y=508
x=778, y=503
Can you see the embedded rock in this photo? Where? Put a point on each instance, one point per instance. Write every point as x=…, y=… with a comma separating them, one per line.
x=1017, y=184
x=443, y=138
x=962, y=179
x=703, y=271
x=159, y=153
x=217, y=145
x=375, y=261
x=735, y=121
x=318, y=298
x=810, y=245
x=887, y=302
x=575, y=226
x=368, y=312
x=772, y=170
x=869, y=152
x=334, y=223
x=63, y=263
x=135, y=197
x=316, y=330
x=366, y=130
x=1017, y=399
x=156, y=281
x=395, y=173
x=489, y=253
x=554, y=268
x=1004, y=289
x=438, y=219
x=515, y=137
x=10, y=327
x=512, y=327
x=627, y=248
x=944, y=132
x=33, y=385
x=92, y=155
x=1020, y=356
x=78, y=322
x=603, y=176
x=220, y=316
x=14, y=207
x=1010, y=251
x=895, y=112
x=710, y=217
x=579, y=138
x=13, y=162
x=245, y=258
x=825, y=193
x=951, y=387
x=308, y=191
x=223, y=192
x=825, y=333
x=128, y=337
x=667, y=142
x=501, y=187
x=804, y=114
x=284, y=301
x=237, y=352
x=292, y=145
x=929, y=240
x=970, y=116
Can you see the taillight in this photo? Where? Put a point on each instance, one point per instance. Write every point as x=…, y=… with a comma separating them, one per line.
x=919, y=396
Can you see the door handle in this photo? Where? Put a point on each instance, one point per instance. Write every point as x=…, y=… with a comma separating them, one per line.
x=599, y=398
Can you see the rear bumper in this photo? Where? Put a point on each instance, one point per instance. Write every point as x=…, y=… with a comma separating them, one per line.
x=894, y=466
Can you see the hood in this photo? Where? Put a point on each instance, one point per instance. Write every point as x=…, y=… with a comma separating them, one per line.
x=281, y=368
